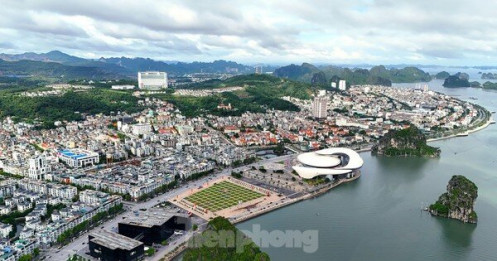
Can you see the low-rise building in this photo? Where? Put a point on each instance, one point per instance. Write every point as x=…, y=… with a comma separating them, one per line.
x=93, y=197
x=78, y=158
x=5, y=230
x=107, y=245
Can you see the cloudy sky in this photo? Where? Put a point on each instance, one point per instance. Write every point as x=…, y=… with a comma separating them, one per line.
x=446, y=32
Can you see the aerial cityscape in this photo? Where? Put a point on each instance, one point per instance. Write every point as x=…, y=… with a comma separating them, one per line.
x=264, y=130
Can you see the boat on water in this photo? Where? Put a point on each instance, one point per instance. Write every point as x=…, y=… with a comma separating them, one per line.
x=462, y=134
x=473, y=98
x=492, y=122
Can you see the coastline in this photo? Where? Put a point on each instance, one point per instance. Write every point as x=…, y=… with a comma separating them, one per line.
x=457, y=135
x=485, y=125
x=364, y=149
x=182, y=247
x=295, y=200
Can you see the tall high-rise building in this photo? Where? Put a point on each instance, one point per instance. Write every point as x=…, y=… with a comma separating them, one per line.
x=342, y=85
x=258, y=69
x=319, y=107
x=152, y=80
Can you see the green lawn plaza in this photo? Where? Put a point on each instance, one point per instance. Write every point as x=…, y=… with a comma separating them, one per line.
x=222, y=195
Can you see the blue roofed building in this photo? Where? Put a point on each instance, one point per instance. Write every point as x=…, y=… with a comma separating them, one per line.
x=78, y=158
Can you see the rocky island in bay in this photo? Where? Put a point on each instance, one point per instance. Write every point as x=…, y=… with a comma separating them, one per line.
x=457, y=80
x=406, y=142
x=458, y=201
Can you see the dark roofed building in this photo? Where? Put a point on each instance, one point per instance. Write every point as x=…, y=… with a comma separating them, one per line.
x=109, y=246
x=154, y=226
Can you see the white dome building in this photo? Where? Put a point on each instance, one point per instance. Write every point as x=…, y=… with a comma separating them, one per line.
x=338, y=162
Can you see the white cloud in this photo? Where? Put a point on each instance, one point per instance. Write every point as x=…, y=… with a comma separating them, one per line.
x=279, y=31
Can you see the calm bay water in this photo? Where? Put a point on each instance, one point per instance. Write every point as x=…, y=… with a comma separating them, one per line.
x=379, y=217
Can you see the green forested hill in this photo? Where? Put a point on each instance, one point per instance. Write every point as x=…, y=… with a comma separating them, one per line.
x=68, y=107
x=260, y=92
x=406, y=142
x=457, y=80
x=55, y=70
x=262, y=84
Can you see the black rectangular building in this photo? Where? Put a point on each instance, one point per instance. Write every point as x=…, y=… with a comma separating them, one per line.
x=153, y=226
x=109, y=246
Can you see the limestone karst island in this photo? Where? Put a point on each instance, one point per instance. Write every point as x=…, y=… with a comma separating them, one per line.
x=458, y=201
x=406, y=142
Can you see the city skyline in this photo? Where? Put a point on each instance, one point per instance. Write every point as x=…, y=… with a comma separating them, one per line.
x=247, y=130
x=276, y=32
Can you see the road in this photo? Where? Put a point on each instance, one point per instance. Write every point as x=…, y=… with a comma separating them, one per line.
x=79, y=243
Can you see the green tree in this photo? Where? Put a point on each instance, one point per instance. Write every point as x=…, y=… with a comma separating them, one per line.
x=150, y=251
x=223, y=252
x=27, y=257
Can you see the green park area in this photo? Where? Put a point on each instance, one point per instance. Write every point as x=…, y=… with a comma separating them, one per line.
x=222, y=195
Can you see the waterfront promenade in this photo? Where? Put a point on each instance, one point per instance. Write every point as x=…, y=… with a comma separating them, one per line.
x=258, y=211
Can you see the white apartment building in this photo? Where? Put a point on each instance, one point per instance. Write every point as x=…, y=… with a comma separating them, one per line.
x=319, y=107
x=23, y=247
x=38, y=167
x=53, y=190
x=93, y=197
x=140, y=129
x=5, y=229
x=122, y=87
x=152, y=80
x=342, y=85
x=50, y=233
x=258, y=69
x=7, y=189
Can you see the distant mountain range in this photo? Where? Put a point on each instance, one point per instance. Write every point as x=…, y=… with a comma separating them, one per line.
x=378, y=75
x=23, y=68
x=61, y=65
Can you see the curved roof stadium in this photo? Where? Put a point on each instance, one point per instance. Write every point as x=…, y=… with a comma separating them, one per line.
x=332, y=161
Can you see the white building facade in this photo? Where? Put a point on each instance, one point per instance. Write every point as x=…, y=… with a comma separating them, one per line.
x=152, y=80
x=5, y=229
x=77, y=158
x=342, y=85
x=334, y=162
x=319, y=107
x=38, y=168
